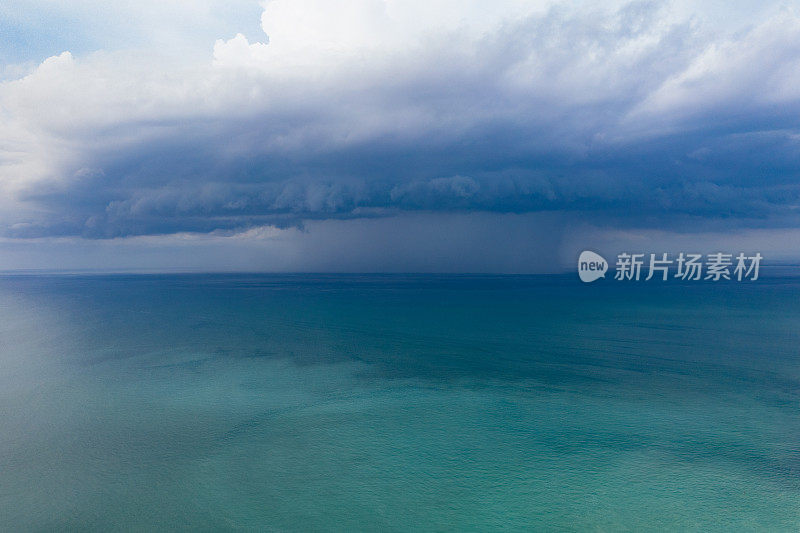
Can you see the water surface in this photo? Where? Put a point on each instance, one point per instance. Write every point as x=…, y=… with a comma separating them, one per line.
x=396, y=403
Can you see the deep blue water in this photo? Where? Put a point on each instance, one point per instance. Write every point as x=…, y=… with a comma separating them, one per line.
x=395, y=403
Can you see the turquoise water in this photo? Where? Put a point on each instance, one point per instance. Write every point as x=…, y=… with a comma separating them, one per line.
x=398, y=403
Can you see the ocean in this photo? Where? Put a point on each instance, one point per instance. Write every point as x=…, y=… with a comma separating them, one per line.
x=398, y=403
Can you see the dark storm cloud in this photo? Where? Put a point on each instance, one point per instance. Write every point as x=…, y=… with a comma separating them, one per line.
x=620, y=116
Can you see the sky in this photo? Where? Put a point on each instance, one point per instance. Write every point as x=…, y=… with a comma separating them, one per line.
x=394, y=136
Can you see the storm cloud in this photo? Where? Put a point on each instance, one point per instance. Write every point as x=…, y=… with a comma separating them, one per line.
x=626, y=115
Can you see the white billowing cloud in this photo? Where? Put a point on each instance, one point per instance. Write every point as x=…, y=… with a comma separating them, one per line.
x=318, y=35
x=354, y=25
x=762, y=66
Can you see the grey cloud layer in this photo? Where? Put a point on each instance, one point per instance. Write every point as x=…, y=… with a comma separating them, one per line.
x=612, y=114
